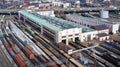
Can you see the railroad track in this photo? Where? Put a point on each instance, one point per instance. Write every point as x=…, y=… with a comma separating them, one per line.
x=27, y=34
x=15, y=44
x=8, y=33
x=44, y=43
x=48, y=49
x=4, y=59
x=49, y=43
x=4, y=55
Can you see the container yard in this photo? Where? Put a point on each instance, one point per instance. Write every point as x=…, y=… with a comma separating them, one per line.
x=59, y=33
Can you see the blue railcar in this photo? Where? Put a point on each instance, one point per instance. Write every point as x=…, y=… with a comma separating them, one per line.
x=11, y=53
x=83, y=60
x=113, y=45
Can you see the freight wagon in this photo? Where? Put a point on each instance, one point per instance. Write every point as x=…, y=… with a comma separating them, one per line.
x=37, y=51
x=19, y=61
x=112, y=60
x=25, y=48
x=100, y=50
x=110, y=48
x=112, y=45
x=8, y=56
x=30, y=31
x=12, y=54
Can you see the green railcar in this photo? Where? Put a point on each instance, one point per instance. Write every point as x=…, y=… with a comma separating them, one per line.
x=70, y=40
x=30, y=31
x=19, y=22
x=77, y=41
x=16, y=23
x=55, y=47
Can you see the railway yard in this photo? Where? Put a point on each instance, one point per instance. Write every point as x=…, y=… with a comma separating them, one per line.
x=24, y=46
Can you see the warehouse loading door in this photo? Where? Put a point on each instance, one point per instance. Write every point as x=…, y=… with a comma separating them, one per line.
x=77, y=40
x=89, y=37
x=64, y=41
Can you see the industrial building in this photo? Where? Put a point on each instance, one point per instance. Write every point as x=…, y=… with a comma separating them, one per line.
x=47, y=13
x=58, y=29
x=113, y=27
x=61, y=4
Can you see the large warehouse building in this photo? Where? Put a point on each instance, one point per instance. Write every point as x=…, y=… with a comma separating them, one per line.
x=113, y=27
x=58, y=29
